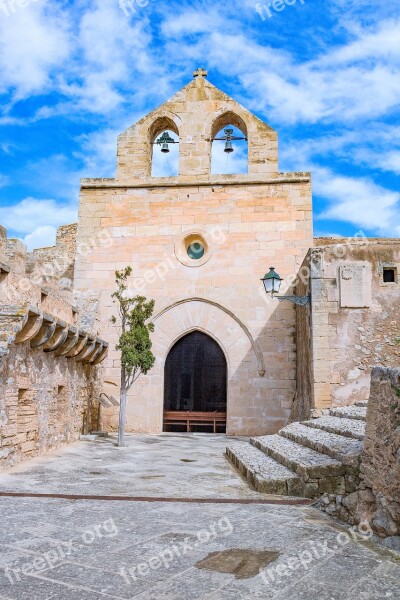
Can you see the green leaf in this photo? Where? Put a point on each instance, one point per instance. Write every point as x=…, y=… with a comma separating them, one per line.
x=134, y=342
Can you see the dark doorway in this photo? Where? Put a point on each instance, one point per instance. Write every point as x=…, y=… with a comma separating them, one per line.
x=195, y=380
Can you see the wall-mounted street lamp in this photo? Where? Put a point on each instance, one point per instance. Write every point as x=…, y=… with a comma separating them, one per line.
x=272, y=284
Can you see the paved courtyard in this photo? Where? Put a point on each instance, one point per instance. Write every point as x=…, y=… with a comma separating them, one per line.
x=169, y=548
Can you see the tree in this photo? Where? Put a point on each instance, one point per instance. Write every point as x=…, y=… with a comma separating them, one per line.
x=134, y=341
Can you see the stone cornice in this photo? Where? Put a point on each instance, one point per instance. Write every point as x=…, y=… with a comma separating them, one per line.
x=19, y=324
x=178, y=182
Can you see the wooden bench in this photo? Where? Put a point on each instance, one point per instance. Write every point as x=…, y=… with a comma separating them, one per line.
x=202, y=419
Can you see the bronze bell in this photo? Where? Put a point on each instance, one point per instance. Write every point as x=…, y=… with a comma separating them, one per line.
x=163, y=141
x=228, y=147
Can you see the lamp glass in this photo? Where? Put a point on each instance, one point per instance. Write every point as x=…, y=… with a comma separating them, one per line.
x=272, y=282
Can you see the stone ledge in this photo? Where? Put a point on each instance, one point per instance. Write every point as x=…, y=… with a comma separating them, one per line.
x=172, y=182
x=19, y=324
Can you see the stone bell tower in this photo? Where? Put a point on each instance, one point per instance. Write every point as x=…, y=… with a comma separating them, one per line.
x=196, y=114
x=198, y=244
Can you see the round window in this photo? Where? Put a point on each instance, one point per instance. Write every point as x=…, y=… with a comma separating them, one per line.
x=192, y=249
x=195, y=250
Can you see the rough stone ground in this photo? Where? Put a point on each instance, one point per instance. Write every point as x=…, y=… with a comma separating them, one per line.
x=86, y=549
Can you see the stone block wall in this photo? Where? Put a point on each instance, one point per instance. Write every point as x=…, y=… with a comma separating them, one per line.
x=247, y=228
x=355, y=321
x=247, y=222
x=378, y=498
x=53, y=267
x=43, y=401
x=50, y=369
x=43, y=278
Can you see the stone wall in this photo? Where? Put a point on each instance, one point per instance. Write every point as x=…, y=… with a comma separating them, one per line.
x=42, y=278
x=378, y=498
x=355, y=316
x=247, y=222
x=53, y=267
x=49, y=366
x=43, y=400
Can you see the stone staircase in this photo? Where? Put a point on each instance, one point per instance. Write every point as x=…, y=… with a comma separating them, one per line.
x=306, y=459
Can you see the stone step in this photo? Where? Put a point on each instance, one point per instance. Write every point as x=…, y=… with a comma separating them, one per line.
x=306, y=463
x=350, y=428
x=350, y=412
x=263, y=472
x=362, y=403
x=340, y=448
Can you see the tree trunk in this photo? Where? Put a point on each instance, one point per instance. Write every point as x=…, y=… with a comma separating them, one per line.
x=122, y=411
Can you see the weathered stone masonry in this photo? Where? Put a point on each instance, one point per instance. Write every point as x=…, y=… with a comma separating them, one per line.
x=378, y=498
x=248, y=222
x=352, y=324
x=48, y=363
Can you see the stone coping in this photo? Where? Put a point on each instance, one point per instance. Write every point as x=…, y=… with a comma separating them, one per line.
x=171, y=182
x=322, y=243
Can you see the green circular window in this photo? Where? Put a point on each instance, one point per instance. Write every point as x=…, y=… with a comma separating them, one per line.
x=192, y=249
x=195, y=250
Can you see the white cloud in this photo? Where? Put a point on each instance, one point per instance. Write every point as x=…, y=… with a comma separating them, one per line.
x=7, y=148
x=98, y=152
x=88, y=53
x=342, y=84
x=390, y=161
x=372, y=43
x=41, y=237
x=358, y=201
x=112, y=63
x=33, y=42
x=4, y=180
x=102, y=63
x=31, y=214
x=376, y=146
x=94, y=56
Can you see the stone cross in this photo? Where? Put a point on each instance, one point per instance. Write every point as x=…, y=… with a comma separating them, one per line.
x=200, y=73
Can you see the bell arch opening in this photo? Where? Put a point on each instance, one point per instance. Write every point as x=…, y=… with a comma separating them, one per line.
x=164, y=140
x=195, y=385
x=229, y=145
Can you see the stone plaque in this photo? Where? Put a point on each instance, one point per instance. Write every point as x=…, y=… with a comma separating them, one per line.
x=355, y=284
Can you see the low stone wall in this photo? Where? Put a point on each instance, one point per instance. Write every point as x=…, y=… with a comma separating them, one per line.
x=378, y=498
x=43, y=398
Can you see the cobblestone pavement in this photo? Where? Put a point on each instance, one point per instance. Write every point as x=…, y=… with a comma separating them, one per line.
x=98, y=549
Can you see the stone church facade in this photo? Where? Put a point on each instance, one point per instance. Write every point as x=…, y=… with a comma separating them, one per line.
x=245, y=223
x=198, y=243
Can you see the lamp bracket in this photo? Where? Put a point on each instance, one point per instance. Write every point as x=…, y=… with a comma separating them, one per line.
x=299, y=300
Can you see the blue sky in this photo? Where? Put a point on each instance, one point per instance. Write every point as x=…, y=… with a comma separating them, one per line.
x=325, y=74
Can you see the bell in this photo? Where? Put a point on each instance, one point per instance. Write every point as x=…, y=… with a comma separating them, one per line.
x=228, y=147
x=163, y=141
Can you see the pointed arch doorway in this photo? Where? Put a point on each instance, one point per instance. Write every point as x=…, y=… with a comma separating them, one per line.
x=195, y=385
